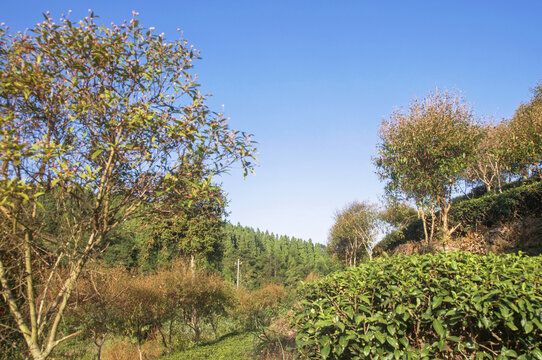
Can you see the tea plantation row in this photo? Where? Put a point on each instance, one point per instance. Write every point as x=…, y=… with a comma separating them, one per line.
x=447, y=306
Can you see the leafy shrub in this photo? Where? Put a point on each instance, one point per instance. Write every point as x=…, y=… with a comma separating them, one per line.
x=494, y=208
x=413, y=231
x=455, y=305
x=258, y=307
x=522, y=199
x=229, y=347
x=203, y=298
x=124, y=349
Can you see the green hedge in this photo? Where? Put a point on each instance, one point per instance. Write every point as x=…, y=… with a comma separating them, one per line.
x=229, y=347
x=494, y=208
x=412, y=232
x=455, y=305
x=521, y=200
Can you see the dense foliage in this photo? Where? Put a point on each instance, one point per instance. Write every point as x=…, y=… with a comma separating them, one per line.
x=423, y=152
x=354, y=233
x=455, y=305
x=107, y=124
x=491, y=209
x=526, y=128
x=517, y=200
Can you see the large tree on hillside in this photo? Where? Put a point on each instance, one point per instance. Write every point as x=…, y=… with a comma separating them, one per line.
x=423, y=152
x=526, y=128
x=354, y=232
x=102, y=124
x=492, y=157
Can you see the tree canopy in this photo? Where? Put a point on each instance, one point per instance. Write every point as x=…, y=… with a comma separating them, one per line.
x=355, y=232
x=103, y=124
x=424, y=152
x=526, y=128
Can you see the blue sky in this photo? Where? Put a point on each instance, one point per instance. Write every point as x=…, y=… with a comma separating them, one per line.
x=312, y=81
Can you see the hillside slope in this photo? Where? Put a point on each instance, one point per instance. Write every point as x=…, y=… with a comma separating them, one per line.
x=510, y=221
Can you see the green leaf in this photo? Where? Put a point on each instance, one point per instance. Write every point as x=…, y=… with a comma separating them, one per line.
x=538, y=323
x=380, y=337
x=343, y=341
x=325, y=351
x=324, y=323
x=391, y=329
x=392, y=341
x=510, y=353
x=24, y=196
x=512, y=326
x=358, y=319
x=96, y=153
x=537, y=353
x=437, y=325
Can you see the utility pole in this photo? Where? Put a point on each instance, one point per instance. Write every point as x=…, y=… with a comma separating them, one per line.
x=238, y=263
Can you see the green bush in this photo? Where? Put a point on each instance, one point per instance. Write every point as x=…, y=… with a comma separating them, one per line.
x=412, y=232
x=448, y=306
x=494, y=208
x=518, y=199
x=229, y=347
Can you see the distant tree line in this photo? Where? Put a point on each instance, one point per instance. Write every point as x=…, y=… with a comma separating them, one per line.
x=270, y=258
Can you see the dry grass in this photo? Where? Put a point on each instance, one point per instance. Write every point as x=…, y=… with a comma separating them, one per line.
x=125, y=350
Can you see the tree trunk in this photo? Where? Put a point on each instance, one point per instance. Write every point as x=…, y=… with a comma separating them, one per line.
x=195, y=325
x=170, y=335
x=445, y=230
x=99, y=345
x=139, y=349
x=421, y=214
x=197, y=334
x=355, y=252
x=432, y=233
x=164, y=341
x=99, y=354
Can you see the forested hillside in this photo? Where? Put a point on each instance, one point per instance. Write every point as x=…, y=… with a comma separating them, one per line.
x=264, y=257
x=269, y=258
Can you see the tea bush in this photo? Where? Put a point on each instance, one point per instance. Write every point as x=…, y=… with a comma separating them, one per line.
x=518, y=199
x=447, y=306
x=493, y=208
x=229, y=347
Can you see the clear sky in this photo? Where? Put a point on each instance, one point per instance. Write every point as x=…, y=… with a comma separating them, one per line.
x=312, y=81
